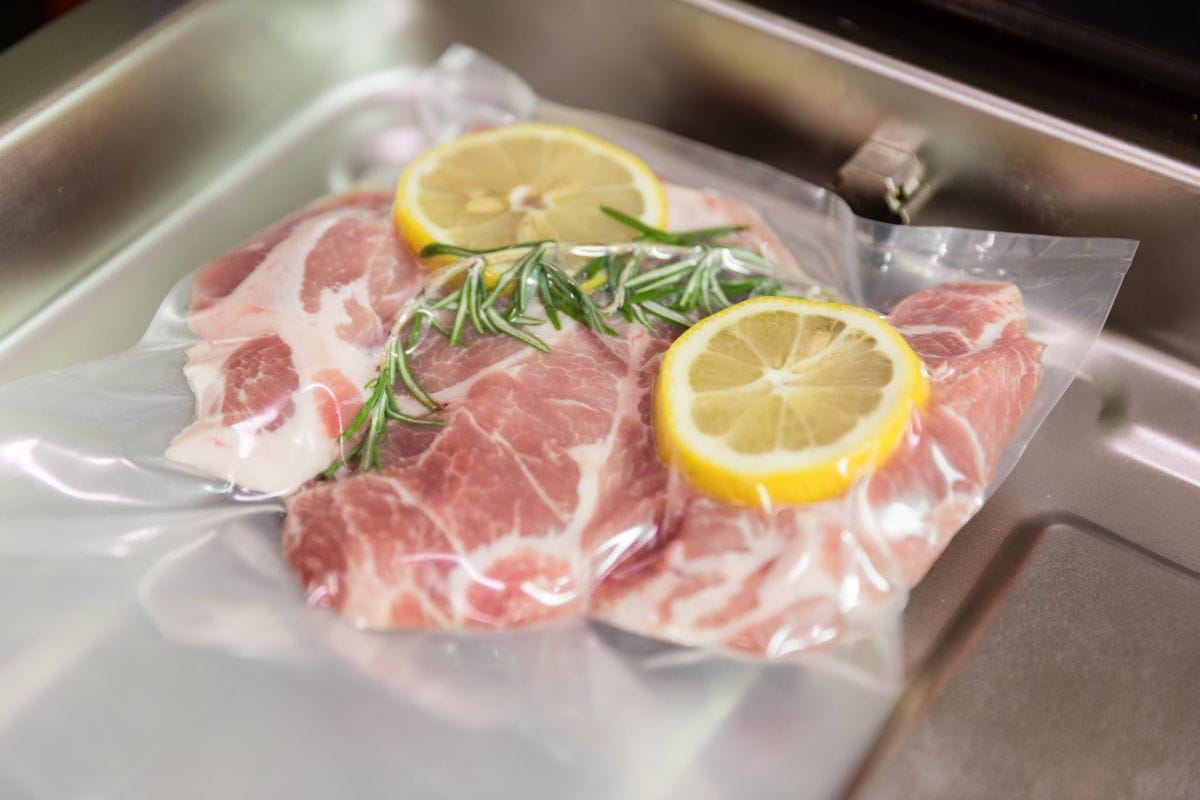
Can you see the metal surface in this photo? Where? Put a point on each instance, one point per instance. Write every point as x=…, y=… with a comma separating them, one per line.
x=885, y=178
x=1052, y=638
x=1049, y=648
x=1105, y=709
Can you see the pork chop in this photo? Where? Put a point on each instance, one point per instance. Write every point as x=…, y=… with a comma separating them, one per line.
x=771, y=582
x=291, y=328
x=543, y=478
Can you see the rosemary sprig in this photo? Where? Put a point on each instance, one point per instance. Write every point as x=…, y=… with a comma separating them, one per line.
x=682, y=239
x=661, y=277
x=381, y=406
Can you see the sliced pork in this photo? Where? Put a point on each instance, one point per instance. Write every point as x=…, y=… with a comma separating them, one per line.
x=769, y=583
x=543, y=478
x=690, y=209
x=291, y=327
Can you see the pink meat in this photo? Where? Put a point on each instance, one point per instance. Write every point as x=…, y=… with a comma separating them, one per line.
x=259, y=382
x=771, y=582
x=543, y=477
x=690, y=209
x=291, y=327
x=544, y=497
x=220, y=278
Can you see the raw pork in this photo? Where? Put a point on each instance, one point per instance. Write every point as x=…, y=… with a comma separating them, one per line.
x=543, y=478
x=292, y=325
x=769, y=583
x=689, y=209
x=546, y=481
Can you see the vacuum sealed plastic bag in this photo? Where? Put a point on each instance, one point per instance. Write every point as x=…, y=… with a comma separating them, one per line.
x=504, y=473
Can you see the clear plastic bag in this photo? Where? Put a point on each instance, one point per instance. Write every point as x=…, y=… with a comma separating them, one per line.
x=86, y=491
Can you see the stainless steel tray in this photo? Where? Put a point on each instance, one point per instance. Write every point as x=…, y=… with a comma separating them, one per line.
x=1050, y=651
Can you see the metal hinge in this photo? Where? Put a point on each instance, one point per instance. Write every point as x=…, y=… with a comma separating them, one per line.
x=885, y=178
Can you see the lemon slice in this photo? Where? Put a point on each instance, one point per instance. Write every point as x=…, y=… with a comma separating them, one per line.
x=781, y=401
x=523, y=183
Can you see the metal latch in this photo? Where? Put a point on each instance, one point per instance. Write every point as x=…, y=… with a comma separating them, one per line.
x=885, y=178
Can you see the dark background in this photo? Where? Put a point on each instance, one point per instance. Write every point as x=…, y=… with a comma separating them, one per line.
x=1136, y=63
x=1152, y=41
x=1130, y=68
x=19, y=18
